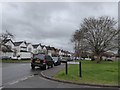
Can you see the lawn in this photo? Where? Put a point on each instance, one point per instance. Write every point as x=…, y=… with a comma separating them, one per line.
x=104, y=73
x=15, y=61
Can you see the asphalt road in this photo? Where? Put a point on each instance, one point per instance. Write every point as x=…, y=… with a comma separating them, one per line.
x=12, y=72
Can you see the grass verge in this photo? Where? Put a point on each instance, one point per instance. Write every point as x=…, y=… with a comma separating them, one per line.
x=15, y=61
x=104, y=73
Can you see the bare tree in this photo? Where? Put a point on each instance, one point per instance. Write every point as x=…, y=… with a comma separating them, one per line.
x=80, y=44
x=3, y=38
x=99, y=34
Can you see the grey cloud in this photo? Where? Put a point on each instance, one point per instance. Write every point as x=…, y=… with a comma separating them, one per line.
x=50, y=23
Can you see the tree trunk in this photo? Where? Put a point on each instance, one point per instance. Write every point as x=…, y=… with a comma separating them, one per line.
x=98, y=58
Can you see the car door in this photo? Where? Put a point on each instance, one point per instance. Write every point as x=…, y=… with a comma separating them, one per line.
x=49, y=60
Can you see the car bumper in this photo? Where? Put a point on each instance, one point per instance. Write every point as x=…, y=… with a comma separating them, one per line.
x=39, y=65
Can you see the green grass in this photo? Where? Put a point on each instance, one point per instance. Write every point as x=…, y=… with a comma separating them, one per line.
x=104, y=73
x=15, y=61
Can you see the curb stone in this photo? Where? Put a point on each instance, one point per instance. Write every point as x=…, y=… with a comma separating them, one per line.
x=69, y=82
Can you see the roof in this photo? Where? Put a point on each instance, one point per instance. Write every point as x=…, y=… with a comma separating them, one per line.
x=53, y=48
x=48, y=47
x=18, y=43
x=7, y=40
x=35, y=45
x=28, y=44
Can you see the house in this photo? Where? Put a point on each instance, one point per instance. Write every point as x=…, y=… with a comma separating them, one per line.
x=44, y=48
x=9, y=43
x=29, y=47
x=38, y=48
x=9, y=52
x=49, y=50
x=24, y=50
x=20, y=46
x=21, y=50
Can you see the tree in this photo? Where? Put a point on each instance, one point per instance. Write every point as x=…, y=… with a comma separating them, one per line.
x=79, y=43
x=119, y=43
x=3, y=38
x=99, y=34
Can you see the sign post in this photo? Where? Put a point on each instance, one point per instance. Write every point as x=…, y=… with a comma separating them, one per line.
x=66, y=66
x=80, y=69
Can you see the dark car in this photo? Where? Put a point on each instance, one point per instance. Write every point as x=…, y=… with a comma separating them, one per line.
x=6, y=58
x=41, y=60
x=56, y=60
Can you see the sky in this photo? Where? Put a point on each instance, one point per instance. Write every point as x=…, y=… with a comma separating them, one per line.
x=51, y=23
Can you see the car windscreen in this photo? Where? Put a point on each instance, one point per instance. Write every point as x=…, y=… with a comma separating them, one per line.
x=39, y=56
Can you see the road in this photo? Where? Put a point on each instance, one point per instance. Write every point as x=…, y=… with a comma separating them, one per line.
x=20, y=75
x=12, y=72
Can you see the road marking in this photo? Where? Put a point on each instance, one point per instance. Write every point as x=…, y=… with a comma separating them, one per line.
x=1, y=87
x=13, y=82
x=17, y=81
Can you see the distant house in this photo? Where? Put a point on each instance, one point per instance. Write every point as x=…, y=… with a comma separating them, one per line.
x=10, y=48
x=44, y=48
x=21, y=50
x=29, y=47
x=24, y=50
x=20, y=46
x=37, y=48
x=49, y=50
x=10, y=44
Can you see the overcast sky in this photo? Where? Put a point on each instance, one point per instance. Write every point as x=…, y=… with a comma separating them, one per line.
x=51, y=23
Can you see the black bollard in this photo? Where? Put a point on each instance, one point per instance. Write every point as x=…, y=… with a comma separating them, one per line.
x=66, y=68
x=80, y=70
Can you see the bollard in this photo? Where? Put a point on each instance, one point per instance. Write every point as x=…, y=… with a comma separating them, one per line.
x=66, y=68
x=80, y=69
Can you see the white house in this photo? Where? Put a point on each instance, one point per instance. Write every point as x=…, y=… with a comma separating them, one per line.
x=20, y=46
x=36, y=48
x=21, y=50
x=24, y=50
x=29, y=47
x=9, y=43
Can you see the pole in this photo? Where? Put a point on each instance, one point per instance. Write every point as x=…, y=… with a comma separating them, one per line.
x=80, y=69
x=66, y=68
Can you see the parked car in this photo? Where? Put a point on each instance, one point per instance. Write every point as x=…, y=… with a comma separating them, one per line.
x=6, y=58
x=69, y=59
x=42, y=60
x=57, y=60
x=109, y=59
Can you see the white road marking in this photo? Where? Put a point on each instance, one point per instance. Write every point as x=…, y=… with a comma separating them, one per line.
x=17, y=81
x=1, y=87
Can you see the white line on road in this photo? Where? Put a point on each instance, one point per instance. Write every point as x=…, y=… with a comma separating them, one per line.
x=17, y=81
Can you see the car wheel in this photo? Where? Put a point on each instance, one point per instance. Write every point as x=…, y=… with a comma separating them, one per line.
x=32, y=66
x=52, y=66
x=60, y=63
x=55, y=64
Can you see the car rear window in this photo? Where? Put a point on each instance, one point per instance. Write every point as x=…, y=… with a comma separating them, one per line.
x=39, y=56
x=55, y=58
